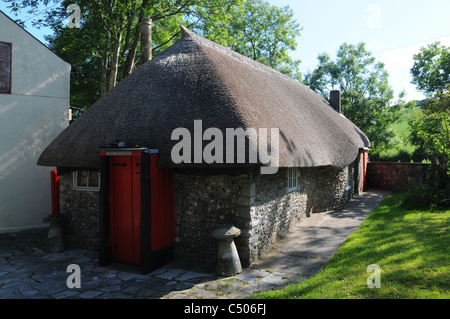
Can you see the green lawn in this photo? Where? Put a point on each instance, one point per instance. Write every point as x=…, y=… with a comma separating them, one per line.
x=402, y=130
x=411, y=248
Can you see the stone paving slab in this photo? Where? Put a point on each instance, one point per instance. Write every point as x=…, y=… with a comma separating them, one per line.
x=27, y=271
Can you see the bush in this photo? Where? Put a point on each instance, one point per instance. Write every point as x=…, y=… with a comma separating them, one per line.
x=401, y=156
x=442, y=197
x=418, y=196
x=424, y=196
x=418, y=156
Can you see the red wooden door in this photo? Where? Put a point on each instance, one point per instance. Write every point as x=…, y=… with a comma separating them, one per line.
x=125, y=208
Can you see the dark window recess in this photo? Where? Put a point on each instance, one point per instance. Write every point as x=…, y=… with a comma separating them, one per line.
x=5, y=67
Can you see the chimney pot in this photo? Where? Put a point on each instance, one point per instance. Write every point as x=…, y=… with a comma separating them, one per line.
x=335, y=100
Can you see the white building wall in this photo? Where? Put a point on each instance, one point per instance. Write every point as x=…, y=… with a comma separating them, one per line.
x=31, y=116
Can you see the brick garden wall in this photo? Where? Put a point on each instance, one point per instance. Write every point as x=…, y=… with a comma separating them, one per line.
x=395, y=176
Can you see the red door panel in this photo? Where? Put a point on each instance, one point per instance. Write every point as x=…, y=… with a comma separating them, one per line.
x=136, y=207
x=125, y=208
x=163, y=212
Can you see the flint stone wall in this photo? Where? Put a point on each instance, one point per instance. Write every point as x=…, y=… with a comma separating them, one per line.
x=259, y=205
x=80, y=209
x=203, y=203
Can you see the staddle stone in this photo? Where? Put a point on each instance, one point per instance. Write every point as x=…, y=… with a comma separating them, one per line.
x=226, y=232
x=228, y=262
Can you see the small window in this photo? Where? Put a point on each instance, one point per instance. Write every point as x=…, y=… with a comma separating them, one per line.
x=86, y=180
x=5, y=67
x=349, y=178
x=292, y=179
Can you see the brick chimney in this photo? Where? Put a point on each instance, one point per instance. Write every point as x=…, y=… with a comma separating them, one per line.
x=335, y=100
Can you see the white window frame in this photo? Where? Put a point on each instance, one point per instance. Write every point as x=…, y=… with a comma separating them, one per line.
x=85, y=188
x=292, y=181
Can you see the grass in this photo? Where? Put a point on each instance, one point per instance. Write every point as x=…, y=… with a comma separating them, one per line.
x=402, y=131
x=411, y=247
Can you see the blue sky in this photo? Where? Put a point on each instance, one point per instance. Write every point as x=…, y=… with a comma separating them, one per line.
x=393, y=30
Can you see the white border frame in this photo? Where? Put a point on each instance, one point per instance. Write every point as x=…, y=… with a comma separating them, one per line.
x=291, y=177
x=85, y=188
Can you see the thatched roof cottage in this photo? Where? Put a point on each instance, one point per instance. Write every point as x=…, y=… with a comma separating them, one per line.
x=117, y=166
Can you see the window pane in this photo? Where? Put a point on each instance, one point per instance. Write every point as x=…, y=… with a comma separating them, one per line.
x=293, y=178
x=93, y=179
x=82, y=178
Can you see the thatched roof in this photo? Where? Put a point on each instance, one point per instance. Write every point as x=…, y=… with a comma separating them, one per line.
x=196, y=79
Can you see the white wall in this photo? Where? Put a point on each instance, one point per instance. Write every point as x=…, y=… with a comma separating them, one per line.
x=31, y=116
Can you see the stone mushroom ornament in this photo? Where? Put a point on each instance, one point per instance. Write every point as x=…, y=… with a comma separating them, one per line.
x=228, y=262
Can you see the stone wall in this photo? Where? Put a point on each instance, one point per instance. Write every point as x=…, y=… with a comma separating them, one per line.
x=395, y=176
x=81, y=211
x=259, y=205
x=326, y=188
x=274, y=210
x=203, y=203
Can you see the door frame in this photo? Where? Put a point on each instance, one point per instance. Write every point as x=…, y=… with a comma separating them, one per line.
x=106, y=255
x=150, y=259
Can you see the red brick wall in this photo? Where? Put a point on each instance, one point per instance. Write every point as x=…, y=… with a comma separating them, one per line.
x=395, y=176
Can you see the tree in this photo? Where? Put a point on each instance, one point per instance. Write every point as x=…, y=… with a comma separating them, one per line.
x=101, y=55
x=430, y=129
x=366, y=97
x=431, y=69
x=106, y=48
x=261, y=32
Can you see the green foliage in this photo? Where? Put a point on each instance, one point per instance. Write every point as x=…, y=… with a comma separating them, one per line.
x=401, y=156
x=367, y=98
x=430, y=132
x=402, y=150
x=425, y=196
x=418, y=196
x=431, y=70
x=430, y=129
x=259, y=31
x=106, y=48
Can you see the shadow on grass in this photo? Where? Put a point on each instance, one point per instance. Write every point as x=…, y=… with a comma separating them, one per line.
x=409, y=246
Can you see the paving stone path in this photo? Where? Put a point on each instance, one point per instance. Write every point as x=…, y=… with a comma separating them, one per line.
x=28, y=271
